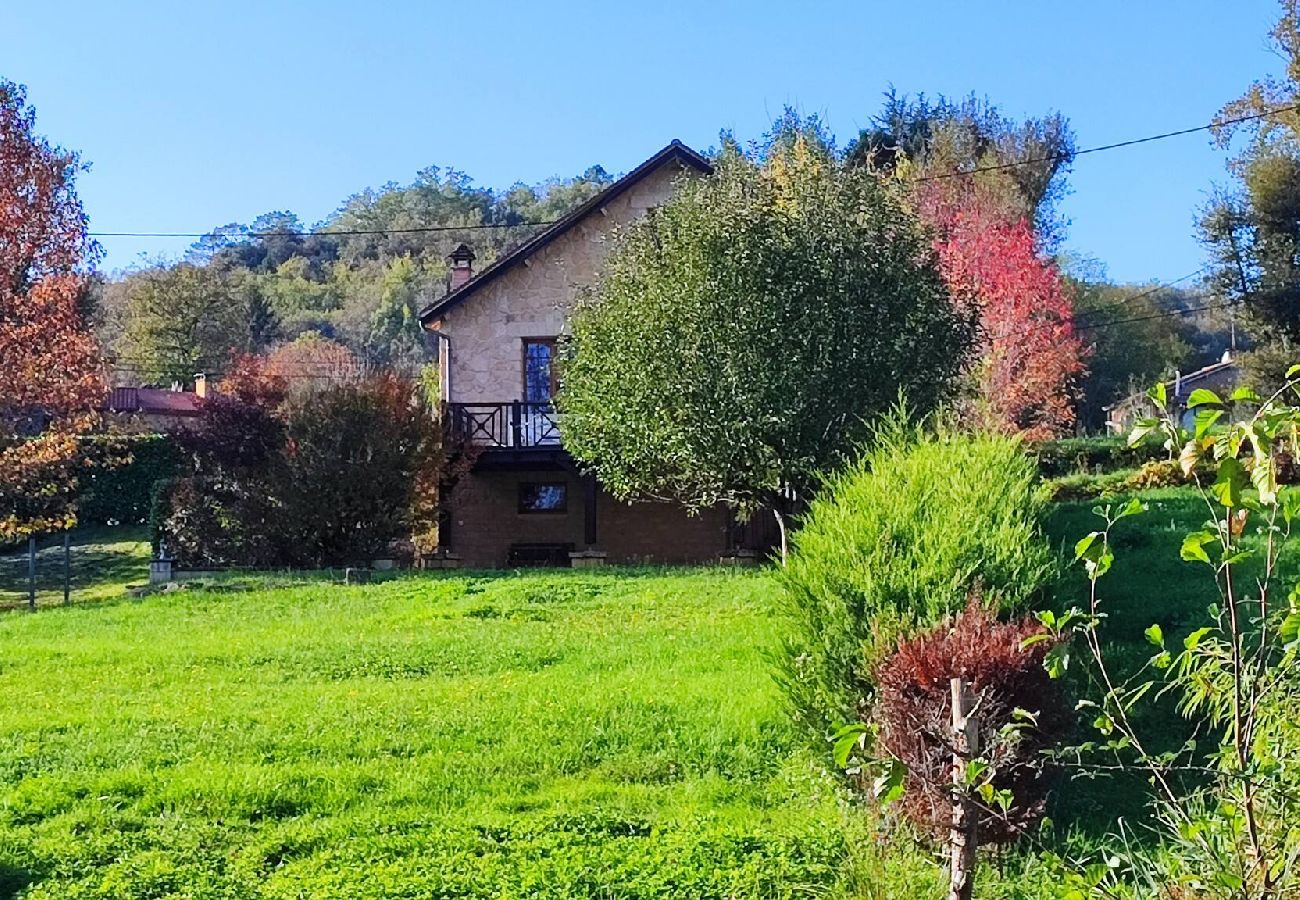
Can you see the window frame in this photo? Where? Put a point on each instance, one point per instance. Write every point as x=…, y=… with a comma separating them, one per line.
x=526, y=486
x=547, y=341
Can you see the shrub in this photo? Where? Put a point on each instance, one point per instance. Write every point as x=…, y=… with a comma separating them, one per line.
x=1087, y=486
x=353, y=460
x=334, y=476
x=1071, y=456
x=1158, y=473
x=893, y=544
x=123, y=470
x=913, y=715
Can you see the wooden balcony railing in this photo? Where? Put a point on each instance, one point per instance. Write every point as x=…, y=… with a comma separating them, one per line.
x=513, y=425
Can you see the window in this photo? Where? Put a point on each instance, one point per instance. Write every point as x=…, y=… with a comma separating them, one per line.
x=539, y=370
x=543, y=498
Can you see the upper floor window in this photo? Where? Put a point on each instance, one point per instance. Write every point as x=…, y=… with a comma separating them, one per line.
x=540, y=380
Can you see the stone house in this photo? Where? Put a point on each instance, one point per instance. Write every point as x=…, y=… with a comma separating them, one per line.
x=525, y=501
x=1221, y=377
x=145, y=409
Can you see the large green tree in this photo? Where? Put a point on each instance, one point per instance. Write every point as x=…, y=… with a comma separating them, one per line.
x=1252, y=225
x=187, y=318
x=744, y=336
x=1146, y=345
x=922, y=138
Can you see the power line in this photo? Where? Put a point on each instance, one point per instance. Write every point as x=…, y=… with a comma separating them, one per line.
x=433, y=229
x=1161, y=315
x=1158, y=288
x=326, y=232
x=1064, y=157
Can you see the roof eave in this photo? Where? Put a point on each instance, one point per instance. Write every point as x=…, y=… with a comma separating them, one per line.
x=675, y=150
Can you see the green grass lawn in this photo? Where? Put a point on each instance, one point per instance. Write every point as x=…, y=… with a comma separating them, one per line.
x=562, y=734
x=102, y=562
x=551, y=735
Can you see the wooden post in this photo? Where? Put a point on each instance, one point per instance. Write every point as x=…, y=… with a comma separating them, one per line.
x=67, y=568
x=31, y=573
x=962, y=838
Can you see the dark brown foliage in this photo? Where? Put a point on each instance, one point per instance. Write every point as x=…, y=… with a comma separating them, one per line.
x=914, y=715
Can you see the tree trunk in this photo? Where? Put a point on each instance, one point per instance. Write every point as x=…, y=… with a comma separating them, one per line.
x=962, y=838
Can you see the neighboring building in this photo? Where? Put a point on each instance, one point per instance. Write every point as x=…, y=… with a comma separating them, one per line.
x=157, y=409
x=525, y=501
x=1221, y=377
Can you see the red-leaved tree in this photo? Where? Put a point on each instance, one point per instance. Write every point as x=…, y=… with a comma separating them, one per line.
x=1030, y=357
x=51, y=378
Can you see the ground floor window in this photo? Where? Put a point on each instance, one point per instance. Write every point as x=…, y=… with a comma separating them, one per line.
x=543, y=497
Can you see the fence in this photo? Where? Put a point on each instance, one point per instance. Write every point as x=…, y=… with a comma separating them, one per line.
x=71, y=567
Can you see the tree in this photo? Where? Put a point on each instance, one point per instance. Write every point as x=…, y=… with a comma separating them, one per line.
x=919, y=137
x=988, y=187
x=189, y=318
x=51, y=379
x=1148, y=345
x=744, y=336
x=1252, y=226
x=1030, y=357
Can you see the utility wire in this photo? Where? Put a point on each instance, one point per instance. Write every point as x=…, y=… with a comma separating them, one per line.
x=324, y=232
x=1062, y=157
x=963, y=173
x=1155, y=290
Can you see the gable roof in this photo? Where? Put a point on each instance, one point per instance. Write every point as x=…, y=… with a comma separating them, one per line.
x=676, y=151
x=1178, y=386
x=153, y=401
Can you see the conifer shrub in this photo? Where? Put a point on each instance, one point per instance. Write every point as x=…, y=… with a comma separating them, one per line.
x=892, y=545
x=1021, y=712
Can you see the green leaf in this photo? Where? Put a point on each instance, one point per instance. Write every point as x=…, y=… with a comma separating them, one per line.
x=1085, y=544
x=1264, y=476
x=1141, y=430
x=1057, y=660
x=1205, y=420
x=1132, y=508
x=1193, y=640
x=889, y=786
x=1245, y=395
x=1193, y=549
x=1230, y=481
x=845, y=741
x=1203, y=397
x=1289, y=630
x=1159, y=395
x=1155, y=636
x=1293, y=371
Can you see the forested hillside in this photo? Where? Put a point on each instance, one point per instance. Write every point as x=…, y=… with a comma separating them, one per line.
x=359, y=277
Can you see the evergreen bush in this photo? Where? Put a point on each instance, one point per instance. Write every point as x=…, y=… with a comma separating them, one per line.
x=894, y=544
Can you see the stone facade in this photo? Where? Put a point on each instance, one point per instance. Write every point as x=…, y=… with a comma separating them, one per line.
x=482, y=362
x=533, y=299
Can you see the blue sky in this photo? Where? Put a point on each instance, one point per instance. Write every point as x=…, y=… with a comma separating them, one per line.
x=194, y=115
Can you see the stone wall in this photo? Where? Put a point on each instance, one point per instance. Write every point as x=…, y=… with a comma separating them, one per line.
x=533, y=298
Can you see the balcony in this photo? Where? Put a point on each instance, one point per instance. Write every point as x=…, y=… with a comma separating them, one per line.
x=516, y=425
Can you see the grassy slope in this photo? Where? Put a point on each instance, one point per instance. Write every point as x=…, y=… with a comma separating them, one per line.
x=103, y=561
x=548, y=735
x=563, y=734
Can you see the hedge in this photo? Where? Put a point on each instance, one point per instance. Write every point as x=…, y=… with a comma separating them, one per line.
x=123, y=469
x=1072, y=456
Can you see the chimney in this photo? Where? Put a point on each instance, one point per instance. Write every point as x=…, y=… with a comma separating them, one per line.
x=461, y=263
x=201, y=386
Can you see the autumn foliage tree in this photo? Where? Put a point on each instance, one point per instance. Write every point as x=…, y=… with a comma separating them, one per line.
x=988, y=188
x=51, y=379
x=1030, y=357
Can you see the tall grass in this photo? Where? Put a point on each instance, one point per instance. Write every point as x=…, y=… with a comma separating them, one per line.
x=895, y=542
